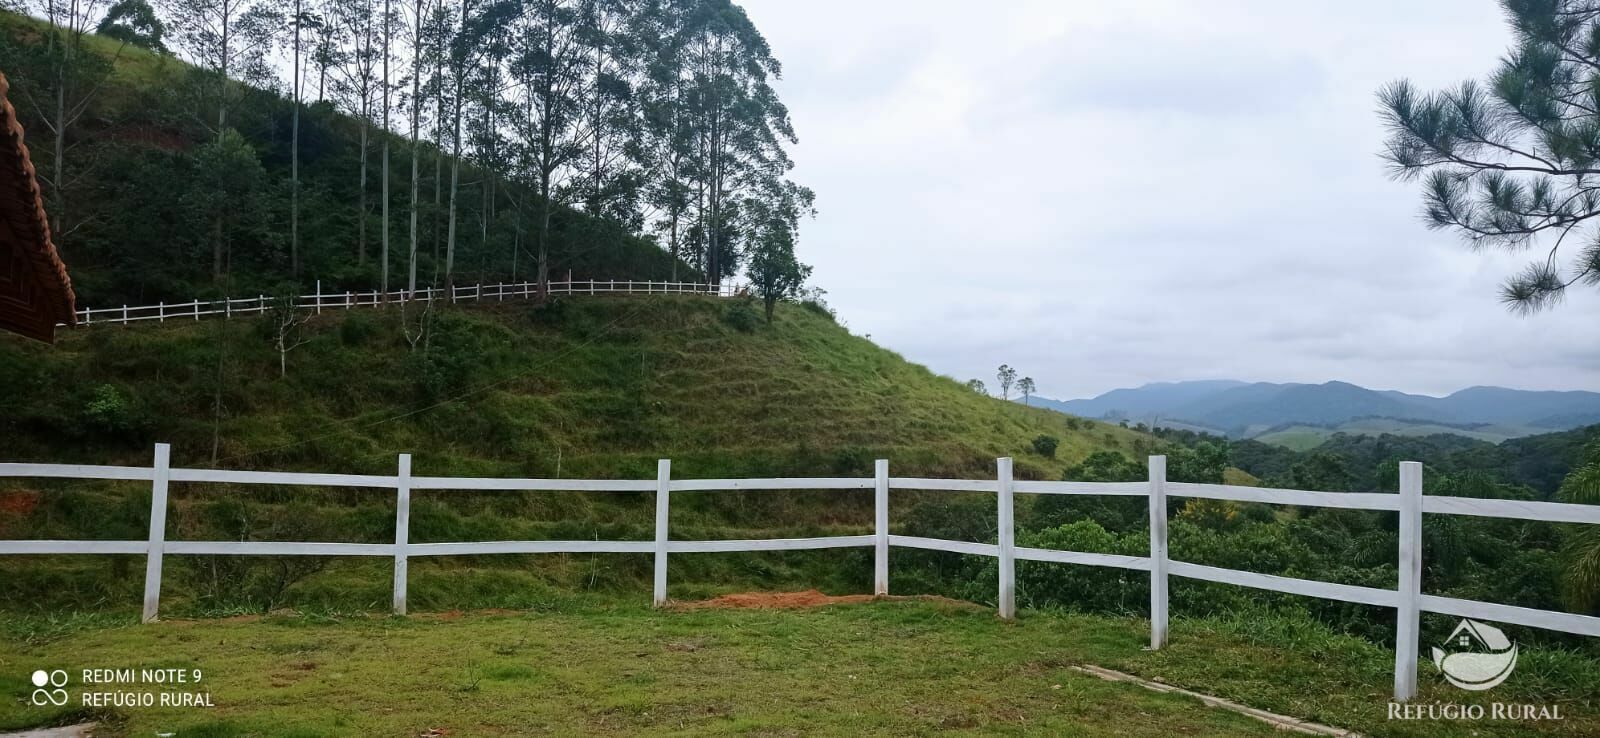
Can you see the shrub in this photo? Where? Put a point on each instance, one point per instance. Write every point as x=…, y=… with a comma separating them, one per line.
x=742, y=316
x=1045, y=445
x=356, y=328
x=110, y=412
x=552, y=312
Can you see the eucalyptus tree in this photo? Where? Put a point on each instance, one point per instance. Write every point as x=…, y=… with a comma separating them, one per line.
x=604, y=29
x=664, y=145
x=299, y=19
x=476, y=25
x=60, y=78
x=548, y=67
x=1026, y=387
x=487, y=134
x=1515, y=160
x=357, y=88
x=421, y=43
x=386, y=87
x=739, y=124
x=224, y=40
x=325, y=51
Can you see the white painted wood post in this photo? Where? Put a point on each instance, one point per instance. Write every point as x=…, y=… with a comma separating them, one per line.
x=663, y=478
x=402, y=531
x=161, y=312
x=880, y=560
x=1408, y=613
x=1158, y=552
x=1007, y=539
x=319, y=297
x=158, y=531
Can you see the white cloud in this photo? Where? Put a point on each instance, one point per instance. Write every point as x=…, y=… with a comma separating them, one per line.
x=1103, y=194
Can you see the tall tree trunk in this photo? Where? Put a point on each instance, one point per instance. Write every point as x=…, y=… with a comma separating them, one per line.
x=455, y=158
x=416, y=146
x=597, y=207
x=542, y=265
x=384, y=132
x=59, y=210
x=361, y=199
x=294, y=157
x=216, y=248
x=674, y=241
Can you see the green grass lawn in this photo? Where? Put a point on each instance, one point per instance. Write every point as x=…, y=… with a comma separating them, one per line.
x=886, y=668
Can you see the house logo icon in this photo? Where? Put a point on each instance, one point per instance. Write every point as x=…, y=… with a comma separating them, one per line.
x=1479, y=656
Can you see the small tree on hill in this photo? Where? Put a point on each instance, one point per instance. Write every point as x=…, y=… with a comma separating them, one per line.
x=287, y=321
x=976, y=385
x=134, y=22
x=774, y=271
x=1026, y=387
x=1007, y=377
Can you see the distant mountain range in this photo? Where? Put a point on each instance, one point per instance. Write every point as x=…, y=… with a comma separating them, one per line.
x=1263, y=409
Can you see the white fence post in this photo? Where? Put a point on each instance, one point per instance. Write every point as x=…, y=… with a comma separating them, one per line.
x=663, y=478
x=319, y=297
x=402, y=531
x=880, y=559
x=1007, y=539
x=158, y=531
x=1410, y=594
x=1158, y=551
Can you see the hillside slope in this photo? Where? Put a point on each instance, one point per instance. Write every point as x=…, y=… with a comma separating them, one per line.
x=590, y=386
x=584, y=388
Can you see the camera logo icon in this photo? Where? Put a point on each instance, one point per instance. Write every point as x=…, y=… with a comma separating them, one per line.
x=48, y=688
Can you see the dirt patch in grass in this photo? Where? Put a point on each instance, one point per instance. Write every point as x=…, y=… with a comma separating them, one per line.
x=795, y=600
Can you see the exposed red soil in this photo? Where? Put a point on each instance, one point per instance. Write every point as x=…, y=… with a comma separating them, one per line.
x=15, y=505
x=795, y=600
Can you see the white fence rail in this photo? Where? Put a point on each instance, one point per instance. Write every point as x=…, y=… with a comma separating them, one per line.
x=1410, y=503
x=319, y=301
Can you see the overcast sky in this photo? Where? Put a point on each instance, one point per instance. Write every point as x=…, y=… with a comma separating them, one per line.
x=1108, y=194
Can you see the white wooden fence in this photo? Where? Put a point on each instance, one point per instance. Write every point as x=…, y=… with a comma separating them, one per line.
x=319, y=301
x=1410, y=503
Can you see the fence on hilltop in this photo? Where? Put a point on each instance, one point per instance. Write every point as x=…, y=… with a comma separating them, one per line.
x=320, y=301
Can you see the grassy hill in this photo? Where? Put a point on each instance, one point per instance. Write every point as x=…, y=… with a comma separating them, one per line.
x=582, y=388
